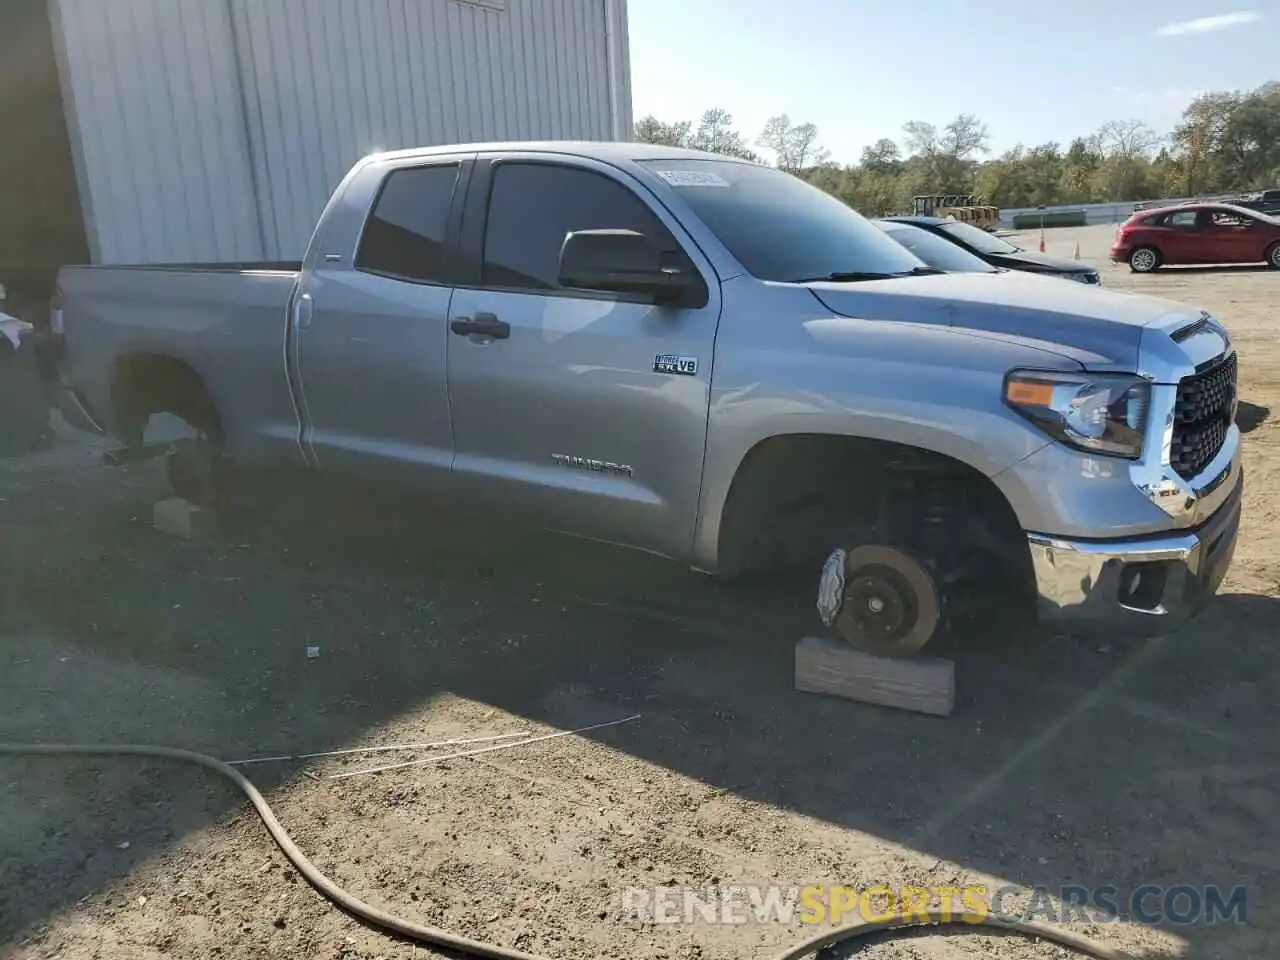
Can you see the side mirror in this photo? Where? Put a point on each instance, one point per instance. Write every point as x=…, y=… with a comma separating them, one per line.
x=624, y=261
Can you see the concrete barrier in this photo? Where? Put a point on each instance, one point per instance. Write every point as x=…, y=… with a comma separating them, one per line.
x=1113, y=212
x=1050, y=218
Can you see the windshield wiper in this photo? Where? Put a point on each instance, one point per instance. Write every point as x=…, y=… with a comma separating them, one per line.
x=851, y=276
x=846, y=276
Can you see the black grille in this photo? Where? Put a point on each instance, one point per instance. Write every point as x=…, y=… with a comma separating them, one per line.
x=1186, y=333
x=1202, y=416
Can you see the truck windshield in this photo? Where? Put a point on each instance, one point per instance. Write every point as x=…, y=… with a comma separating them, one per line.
x=977, y=239
x=781, y=228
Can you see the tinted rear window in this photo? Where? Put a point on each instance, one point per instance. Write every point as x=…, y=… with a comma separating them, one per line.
x=405, y=234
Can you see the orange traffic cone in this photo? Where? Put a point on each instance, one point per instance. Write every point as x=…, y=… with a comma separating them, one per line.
x=1042, y=239
x=1077, y=253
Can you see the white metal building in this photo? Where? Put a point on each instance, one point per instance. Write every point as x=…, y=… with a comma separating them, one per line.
x=216, y=129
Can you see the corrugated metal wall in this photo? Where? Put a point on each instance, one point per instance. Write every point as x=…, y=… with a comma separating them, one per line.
x=366, y=75
x=216, y=129
x=153, y=104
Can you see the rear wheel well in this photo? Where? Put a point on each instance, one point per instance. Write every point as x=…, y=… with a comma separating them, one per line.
x=144, y=384
x=796, y=497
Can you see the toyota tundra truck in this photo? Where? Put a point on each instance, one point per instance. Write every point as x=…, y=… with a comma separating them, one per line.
x=698, y=357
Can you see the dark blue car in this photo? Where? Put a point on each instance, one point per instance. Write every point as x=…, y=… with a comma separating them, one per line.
x=995, y=251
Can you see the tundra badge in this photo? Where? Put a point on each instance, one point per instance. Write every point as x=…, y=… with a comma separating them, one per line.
x=594, y=466
x=673, y=363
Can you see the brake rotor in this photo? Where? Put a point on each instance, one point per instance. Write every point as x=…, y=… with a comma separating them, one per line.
x=889, y=603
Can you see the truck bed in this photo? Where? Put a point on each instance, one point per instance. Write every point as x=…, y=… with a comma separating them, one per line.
x=227, y=321
x=246, y=266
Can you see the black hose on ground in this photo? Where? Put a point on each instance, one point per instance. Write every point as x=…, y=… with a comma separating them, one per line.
x=424, y=934
x=937, y=918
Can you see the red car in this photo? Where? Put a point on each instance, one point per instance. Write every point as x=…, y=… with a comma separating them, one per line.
x=1197, y=233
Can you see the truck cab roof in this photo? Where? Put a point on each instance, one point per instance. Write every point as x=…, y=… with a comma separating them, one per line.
x=609, y=151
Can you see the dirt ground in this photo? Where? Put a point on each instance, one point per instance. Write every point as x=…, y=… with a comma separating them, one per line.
x=1069, y=760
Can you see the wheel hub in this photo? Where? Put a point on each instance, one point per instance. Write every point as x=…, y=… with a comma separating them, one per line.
x=878, y=606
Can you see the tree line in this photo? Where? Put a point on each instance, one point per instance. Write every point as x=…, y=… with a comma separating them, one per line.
x=1227, y=141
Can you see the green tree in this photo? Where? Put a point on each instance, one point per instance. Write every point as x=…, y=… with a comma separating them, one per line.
x=1044, y=168
x=921, y=138
x=1003, y=181
x=716, y=134
x=1250, y=151
x=944, y=160
x=1200, y=137
x=1126, y=147
x=1226, y=141
x=883, y=157
x=964, y=137
x=652, y=130
x=795, y=146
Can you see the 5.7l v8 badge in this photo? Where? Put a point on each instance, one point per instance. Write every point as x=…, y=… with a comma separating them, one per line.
x=673, y=363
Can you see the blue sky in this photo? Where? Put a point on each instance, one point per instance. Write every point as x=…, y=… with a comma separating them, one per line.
x=859, y=69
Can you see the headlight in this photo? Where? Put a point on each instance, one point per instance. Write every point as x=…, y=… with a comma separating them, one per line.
x=1089, y=277
x=1102, y=413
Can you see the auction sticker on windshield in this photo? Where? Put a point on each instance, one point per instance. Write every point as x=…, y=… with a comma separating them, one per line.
x=692, y=178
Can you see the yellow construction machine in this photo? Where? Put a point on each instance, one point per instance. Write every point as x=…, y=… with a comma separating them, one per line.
x=964, y=207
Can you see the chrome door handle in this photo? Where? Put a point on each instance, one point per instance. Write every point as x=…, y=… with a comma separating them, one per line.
x=483, y=323
x=302, y=312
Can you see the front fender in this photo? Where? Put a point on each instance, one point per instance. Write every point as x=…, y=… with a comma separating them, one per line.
x=933, y=388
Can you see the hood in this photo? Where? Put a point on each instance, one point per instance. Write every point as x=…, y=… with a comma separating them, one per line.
x=1098, y=327
x=1039, y=261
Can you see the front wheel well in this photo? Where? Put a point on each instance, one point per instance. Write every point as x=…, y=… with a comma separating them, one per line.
x=796, y=497
x=144, y=384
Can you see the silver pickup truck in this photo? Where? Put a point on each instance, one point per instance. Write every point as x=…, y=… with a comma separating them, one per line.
x=702, y=358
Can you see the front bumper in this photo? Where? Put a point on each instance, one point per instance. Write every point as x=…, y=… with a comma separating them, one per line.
x=1144, y=582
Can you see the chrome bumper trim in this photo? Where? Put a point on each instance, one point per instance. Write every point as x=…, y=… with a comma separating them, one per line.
x=1079, y=580
x=1188, y=501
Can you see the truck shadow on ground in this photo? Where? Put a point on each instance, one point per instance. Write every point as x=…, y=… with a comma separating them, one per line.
x=1066, y=762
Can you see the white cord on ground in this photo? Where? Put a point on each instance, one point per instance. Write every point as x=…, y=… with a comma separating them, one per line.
x=435, y=745
x=476, y=753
